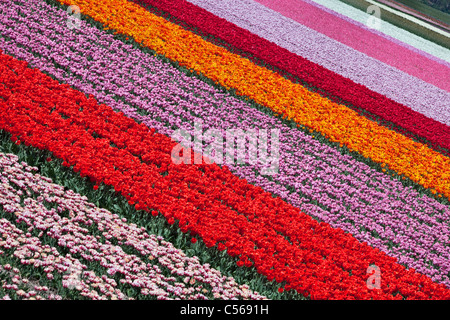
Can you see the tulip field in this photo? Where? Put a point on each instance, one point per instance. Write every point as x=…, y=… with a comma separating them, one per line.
x=118, y=173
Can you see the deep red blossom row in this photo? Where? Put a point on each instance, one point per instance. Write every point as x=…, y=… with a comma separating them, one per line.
x=293, y=66
x=281, y=242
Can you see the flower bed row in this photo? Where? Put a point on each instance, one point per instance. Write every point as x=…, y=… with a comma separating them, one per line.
x=157, y=268
x=105, y=197
x=374, y=45
x=308, y=178
x=376, y=75
x=281, y=242
x=296, y=67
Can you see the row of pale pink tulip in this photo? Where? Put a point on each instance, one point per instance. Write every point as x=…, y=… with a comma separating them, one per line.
x=158, y=269
x=15, y=286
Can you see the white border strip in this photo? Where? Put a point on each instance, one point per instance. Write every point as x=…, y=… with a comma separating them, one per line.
x=388, y=29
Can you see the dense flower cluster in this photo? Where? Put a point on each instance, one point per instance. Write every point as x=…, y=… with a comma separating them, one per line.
x=313, y=177
x=31, y=251
x=208, y=201
x=15, y=286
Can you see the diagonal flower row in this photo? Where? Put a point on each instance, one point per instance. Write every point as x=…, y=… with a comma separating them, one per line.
x=391, y=32
x=281, y=242
x=313, y=177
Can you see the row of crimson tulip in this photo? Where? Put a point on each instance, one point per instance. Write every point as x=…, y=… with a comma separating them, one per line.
x=293, y=66
x=208, y=201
